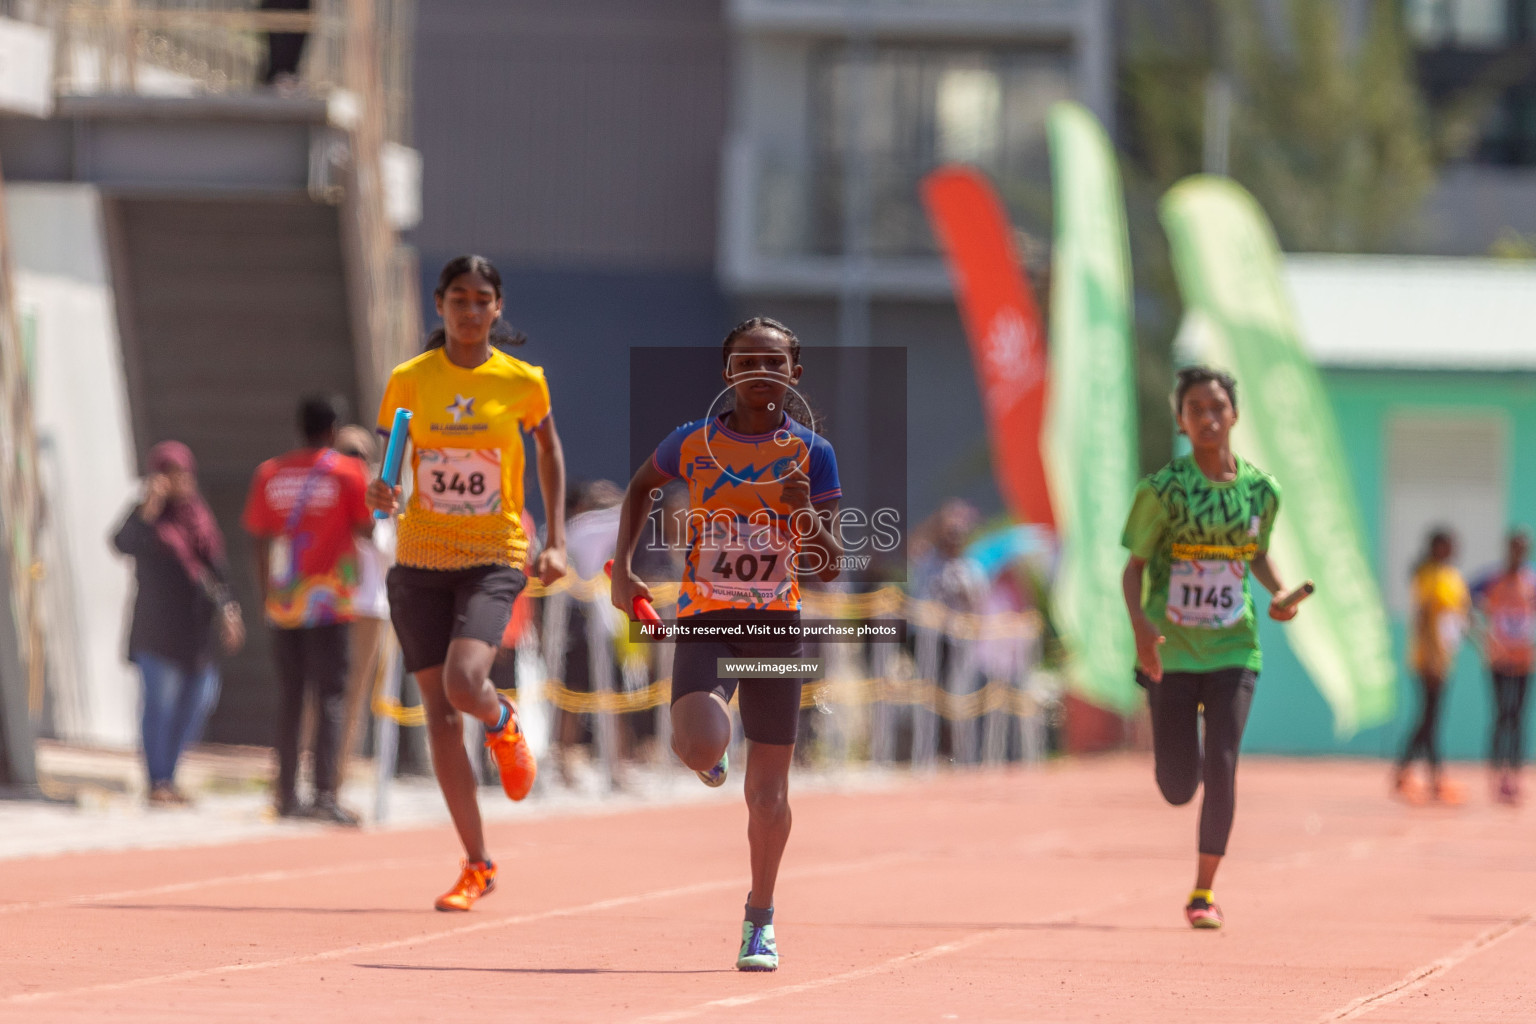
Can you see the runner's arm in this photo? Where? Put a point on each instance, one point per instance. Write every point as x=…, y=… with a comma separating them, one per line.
x=1148, y=637
x=551, y=459
x=823, y=540
x=632, y=516
x=1264, y=571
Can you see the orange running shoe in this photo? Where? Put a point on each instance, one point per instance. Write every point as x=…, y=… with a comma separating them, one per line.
x=475, y=880
x=1408, y=786
x=1449, y=793
x=513, y=758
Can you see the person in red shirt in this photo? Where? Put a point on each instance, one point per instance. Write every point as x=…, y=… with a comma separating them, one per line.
x=1506, y=602
x=303, y=511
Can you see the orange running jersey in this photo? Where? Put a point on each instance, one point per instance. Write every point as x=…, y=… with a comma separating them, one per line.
x=1508, y=603
x=742, y=545
x=466, y=457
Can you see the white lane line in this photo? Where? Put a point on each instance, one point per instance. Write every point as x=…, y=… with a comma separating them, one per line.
x=469, y=929
x=1354, y=850
x=225, y=880
x=1421, y=976
x=893, y=964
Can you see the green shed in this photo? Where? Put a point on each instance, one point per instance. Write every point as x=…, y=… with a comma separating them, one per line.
x=1430, y=365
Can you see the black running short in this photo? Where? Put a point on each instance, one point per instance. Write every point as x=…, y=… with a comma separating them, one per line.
x=430, y=607
x=770, y=708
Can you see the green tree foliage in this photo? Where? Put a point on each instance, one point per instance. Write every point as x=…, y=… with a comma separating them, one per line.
x=1333, y=140
x=1328, y=130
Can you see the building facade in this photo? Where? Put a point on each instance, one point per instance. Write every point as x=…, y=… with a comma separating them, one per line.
x=646, y=176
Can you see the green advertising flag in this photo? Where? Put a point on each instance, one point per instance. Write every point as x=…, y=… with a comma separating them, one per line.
x=1228, y=267
x=1090, y=429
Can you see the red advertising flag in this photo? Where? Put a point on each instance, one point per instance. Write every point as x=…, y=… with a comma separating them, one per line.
x=1003, y=323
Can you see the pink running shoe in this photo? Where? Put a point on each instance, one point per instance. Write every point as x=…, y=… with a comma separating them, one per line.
x=1202, y=913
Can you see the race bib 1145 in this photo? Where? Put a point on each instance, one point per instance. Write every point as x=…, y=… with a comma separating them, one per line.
x=1206, y=593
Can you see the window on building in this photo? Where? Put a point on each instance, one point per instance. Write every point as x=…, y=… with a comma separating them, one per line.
x=1466, y=24
x=1443, y=470
x=913, y=108
x=1465, y=44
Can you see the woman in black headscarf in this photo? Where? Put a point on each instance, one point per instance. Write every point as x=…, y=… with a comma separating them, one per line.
x=183, y=608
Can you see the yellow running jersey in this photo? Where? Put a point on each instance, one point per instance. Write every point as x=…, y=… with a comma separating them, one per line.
x=466, y=459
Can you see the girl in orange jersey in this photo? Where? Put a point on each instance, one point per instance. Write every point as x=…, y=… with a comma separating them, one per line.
x=763, y=494
x=1506, y=603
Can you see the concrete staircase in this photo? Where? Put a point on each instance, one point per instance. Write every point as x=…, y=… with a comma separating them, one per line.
x=230, y=311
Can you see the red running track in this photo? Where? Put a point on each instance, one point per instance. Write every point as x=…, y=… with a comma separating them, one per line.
x=1049, y=894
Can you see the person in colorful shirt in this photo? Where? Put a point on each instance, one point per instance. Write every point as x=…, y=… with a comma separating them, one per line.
x=1198, y=529
x=1441, y=604
x=303, y=511
x=461, y=549
x=1506, y=603
x=762, y=496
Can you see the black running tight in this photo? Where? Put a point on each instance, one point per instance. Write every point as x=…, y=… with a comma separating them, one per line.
x=1176, y=704
x=1508, y=720
x=1425, y=739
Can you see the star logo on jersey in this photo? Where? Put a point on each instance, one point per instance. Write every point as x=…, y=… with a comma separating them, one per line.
x=461, y=408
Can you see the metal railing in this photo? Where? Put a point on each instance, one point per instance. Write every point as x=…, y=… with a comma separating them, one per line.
x=219, y=47
x=358, y=51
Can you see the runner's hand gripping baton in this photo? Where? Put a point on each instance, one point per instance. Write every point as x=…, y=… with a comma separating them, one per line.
x=394, y=454
x=643, y=611
x=1292, y=598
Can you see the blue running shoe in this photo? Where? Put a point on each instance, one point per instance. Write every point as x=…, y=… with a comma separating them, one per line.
x=715, y=777
x=758, y=950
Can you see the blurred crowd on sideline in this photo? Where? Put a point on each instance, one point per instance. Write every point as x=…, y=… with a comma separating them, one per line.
x=953, y=690
x=1498, y=613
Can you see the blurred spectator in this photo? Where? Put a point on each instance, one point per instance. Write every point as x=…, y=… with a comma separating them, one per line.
x=304, y=511
x=284, y=49
x=370, y=602
x=946, y=576
x=1506, y=601
x=592, y=526
x=182, y=608
x=943, y=573
x=1440, y=606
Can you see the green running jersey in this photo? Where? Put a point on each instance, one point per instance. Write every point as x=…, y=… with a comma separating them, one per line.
x=1197, y=536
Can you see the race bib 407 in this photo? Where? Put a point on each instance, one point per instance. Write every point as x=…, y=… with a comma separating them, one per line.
x=744, y=561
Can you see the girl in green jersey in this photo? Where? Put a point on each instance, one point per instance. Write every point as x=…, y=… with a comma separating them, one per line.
x=1198, y=528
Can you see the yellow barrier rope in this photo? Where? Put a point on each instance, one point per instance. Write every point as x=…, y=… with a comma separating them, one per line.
x=887, y=602
x=995, y=696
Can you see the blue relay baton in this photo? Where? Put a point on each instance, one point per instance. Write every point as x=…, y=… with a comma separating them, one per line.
x=394, y=454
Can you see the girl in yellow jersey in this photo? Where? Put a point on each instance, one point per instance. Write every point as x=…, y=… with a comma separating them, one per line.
x=1441, y=604
x=462, y=550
